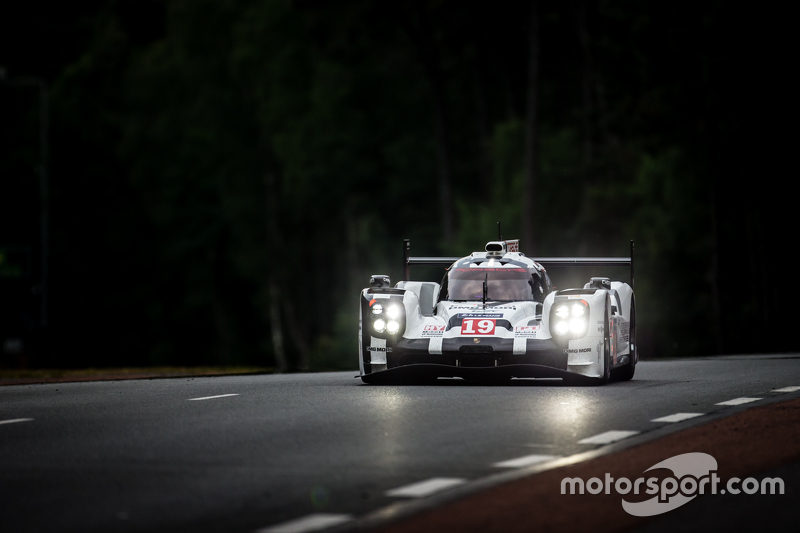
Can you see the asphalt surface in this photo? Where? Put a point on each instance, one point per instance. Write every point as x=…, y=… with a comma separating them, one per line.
x=145, y=455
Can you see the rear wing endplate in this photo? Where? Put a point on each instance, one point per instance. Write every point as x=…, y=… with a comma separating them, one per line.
x=408, y=261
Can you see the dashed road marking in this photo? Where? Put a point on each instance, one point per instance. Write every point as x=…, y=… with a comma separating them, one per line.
x=608, y=437
x=211, y=397
x=15, y=420
x=427, y=487
x=525, y=461
x=739, y=401
x=312, y=522
x=786, y=389
x=677, y=417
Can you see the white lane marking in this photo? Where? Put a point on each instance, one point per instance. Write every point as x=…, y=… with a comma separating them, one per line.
x=739, y=401
x=15, y=420
x=786, y=389
x=525, y=461
x=427, y=487
x=677, y=417
x=211, y=397
x=312, y=522
x=608, y=437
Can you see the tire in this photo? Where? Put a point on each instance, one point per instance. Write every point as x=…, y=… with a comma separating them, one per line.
x=626, y=372
x=606, y=377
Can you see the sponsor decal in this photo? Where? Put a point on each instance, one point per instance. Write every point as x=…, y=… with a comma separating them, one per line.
x=474, y=326
x=379, y=349
x=693, y=474
x=475, y=306
x=623, y=331
x=578, y=350
x=512, y=246
x=433, y=331
x=479, y=315
x=526, y=331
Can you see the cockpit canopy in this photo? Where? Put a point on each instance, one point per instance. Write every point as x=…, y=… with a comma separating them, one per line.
x=503, y=284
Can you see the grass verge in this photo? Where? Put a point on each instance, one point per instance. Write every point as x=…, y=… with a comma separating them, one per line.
x=55, y=375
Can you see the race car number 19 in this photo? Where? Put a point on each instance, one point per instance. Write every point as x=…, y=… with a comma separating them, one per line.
x=475, y=326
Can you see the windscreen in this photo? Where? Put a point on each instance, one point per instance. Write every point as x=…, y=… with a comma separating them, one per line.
x=505, y=284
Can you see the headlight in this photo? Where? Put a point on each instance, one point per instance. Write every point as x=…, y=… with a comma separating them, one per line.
x=385, y=317
x=577, y=326
x=569, y=319
x=393, y=311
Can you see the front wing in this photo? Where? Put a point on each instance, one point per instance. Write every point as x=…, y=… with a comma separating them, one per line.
x=487, y=359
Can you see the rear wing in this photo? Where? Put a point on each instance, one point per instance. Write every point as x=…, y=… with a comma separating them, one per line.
x=409, y=261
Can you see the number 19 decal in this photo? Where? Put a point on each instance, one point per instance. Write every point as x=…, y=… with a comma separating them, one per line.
x=477, y=326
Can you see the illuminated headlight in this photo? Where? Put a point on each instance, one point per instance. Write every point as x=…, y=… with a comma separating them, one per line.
x=379, y=325
x=576, y=325
x=393, y=312
x=569, y=319
x=392, y=326
x=377, y=309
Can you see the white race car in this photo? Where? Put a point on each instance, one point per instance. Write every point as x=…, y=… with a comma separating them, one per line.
x=495, y=317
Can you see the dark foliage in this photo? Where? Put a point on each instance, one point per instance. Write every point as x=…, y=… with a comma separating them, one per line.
x=224, y=175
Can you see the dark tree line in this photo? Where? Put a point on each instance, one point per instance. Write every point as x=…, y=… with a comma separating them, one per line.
x=225, y=175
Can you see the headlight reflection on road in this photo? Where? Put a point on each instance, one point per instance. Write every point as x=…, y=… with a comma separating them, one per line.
x=569, y=409
x=393, y=429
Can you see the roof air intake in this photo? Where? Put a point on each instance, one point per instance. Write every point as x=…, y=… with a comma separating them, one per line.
x=496, y=248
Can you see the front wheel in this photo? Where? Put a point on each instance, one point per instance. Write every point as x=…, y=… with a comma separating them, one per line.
x=606, y=376
x=626, y=372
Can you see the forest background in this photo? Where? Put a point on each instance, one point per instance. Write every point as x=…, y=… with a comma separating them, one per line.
x=221, y=177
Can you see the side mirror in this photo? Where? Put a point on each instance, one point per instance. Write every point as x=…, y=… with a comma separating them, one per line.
x=380, y=281
x=600, y=283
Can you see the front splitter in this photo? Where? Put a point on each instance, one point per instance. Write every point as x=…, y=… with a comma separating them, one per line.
x=431, y=371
